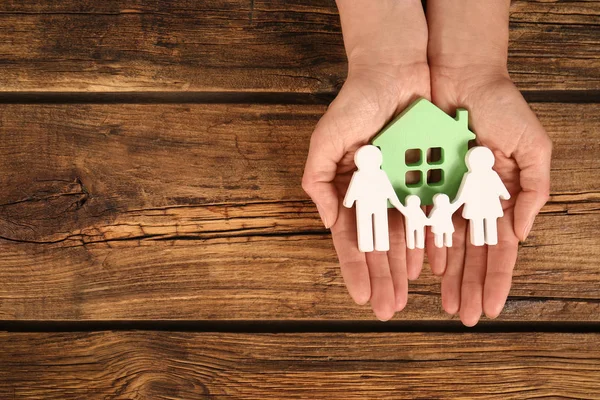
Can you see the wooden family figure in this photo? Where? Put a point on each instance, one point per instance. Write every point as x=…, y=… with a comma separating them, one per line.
x=373, y=192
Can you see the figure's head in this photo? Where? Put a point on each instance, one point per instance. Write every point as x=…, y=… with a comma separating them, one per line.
x=479, y=158
x=368, y=157
x=441, y=199
x=413, y=200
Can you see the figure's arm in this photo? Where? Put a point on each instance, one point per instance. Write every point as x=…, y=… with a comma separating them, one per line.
x=397, y=204
x=460, y=198
x=351, y=193
x=393, y=197
x=427, y=220
x=456, y=205
x=503, y=192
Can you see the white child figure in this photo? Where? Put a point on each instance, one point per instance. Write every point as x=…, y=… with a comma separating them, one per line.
x=371, y=189
x=481, y=190
x=440, y=219
x=415, y=221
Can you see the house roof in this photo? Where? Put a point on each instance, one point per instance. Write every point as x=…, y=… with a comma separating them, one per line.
x=423, y=122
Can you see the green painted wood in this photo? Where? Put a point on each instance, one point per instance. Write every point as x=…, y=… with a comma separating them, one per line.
x=421, y=129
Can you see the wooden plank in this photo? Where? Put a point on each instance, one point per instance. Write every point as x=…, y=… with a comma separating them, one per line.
x=169, y=365
x=163, y=45
x=248, y=46
x=552, y=44
x=198, y=214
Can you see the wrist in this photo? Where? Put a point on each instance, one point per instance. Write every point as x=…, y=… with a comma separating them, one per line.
x=468, y=36
x=462, y=66
x=466, y=79
x=384, y=35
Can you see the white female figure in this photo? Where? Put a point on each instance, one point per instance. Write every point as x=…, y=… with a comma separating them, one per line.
x=440, y=219
x=480, y=191
x=371, y=189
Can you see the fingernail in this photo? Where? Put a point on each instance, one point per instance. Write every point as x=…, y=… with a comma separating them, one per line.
x=322, y=215
x=400, y=305
x=527, y=230
x=493, y=311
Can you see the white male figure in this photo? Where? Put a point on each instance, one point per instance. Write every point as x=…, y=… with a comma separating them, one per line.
x=415, y=221
x=371, y=189
x=480, y=191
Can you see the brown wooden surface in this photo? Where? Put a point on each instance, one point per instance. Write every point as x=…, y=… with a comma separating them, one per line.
x=149, y=219
x=248, y=46
x=197, y=213
x=171, y=365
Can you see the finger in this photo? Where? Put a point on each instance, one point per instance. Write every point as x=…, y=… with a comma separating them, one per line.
x=453, y=275
x=414, y=263
x=472, y=284
x=382, y=287
x=533, y=158
x=397, y=259
x=500, y=264
x=353, y=263
x=325, y=151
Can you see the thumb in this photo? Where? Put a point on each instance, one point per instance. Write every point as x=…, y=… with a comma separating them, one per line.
x=533, y=157
x=325, y=151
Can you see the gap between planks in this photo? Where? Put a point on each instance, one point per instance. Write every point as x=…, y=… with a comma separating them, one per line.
x=323, y=326
x=249, y=97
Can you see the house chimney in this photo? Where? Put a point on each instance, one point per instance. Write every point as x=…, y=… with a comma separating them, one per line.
x=462, y=116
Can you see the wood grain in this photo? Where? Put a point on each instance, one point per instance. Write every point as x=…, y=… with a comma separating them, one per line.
x=552, y=44
x=197, y=213
x=172, y=365
x=248, y=46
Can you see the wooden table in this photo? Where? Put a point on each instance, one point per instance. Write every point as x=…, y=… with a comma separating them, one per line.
x=156, y=243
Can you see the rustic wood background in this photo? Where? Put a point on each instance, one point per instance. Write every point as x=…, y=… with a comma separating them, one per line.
x=155, y=242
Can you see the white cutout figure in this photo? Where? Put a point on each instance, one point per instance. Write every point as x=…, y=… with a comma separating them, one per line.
x=440, y=219
x=415, y=221
x=480, y=191
x=371, y=189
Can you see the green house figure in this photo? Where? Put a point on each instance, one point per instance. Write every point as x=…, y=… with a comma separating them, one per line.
x=424, y=151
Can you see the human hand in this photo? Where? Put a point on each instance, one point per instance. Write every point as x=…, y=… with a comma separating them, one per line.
x=386, y=44
x=467, y=58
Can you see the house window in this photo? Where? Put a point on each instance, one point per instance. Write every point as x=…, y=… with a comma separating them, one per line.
x=435, y=155
x=413, y=179
x=413, y=157
x=435, y=177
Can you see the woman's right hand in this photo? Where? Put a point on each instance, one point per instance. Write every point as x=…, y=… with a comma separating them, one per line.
x=468, y=51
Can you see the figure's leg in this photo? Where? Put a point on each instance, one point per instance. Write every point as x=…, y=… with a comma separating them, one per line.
x=364, y=225
x=491, y=231
x=476, y=232
x=448, y=239
x=420, y=237
x=381, y=229
x=438, y=239
x=410, y=237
